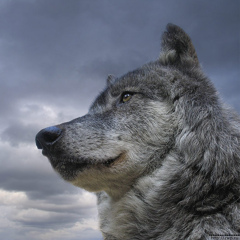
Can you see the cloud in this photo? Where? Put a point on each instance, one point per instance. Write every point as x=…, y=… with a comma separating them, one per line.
x=49, y=214
x=24, y=169
x=75, y=214
x=18, y=133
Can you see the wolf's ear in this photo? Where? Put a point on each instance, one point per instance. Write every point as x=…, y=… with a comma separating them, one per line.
x=110, y=79
x=177, y=47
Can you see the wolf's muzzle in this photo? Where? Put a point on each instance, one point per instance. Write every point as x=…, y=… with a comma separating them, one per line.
x=47, y=137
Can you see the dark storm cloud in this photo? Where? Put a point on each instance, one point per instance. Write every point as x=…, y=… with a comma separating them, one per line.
x=28, y=177
x=58, y=211
x=36, y=184
x=57, y=49
x=18, y=133
x=54, y=221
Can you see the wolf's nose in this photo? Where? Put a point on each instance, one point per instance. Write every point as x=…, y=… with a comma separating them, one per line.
x=47, y=137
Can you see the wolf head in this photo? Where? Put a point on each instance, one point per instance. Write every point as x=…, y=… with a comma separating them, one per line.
x=164, y=106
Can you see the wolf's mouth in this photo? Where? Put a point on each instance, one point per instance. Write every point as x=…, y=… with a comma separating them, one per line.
x=69, y=168
x=72, y=163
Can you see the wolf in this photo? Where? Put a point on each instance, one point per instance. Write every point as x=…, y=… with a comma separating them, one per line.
x=159, y=149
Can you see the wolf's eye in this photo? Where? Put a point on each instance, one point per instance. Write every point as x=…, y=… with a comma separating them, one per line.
x=126, y=97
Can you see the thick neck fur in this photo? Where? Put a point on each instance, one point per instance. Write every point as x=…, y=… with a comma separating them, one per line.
x=157, y=208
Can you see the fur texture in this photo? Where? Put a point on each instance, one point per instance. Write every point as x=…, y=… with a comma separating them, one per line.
x=159, y=149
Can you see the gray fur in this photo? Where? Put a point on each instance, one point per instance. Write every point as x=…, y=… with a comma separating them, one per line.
x=166, y=163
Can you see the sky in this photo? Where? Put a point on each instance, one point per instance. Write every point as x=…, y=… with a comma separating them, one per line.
x=55, y=56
